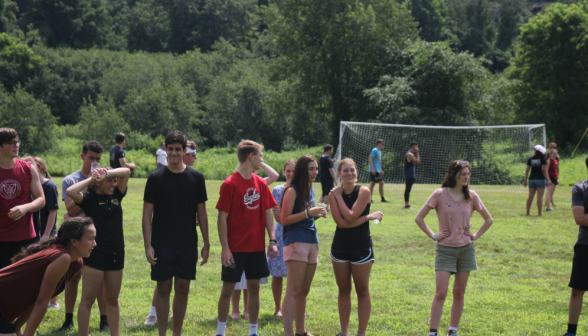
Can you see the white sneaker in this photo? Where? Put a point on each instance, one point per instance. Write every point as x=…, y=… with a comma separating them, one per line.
x=150, y=321
x=53, y=306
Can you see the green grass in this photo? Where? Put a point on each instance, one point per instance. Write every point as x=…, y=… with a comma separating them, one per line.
x=519, y=289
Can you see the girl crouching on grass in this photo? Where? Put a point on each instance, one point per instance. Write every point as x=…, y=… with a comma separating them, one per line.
x=352, y=254
x=102, y=202
x=455, y=252
x=39, y=273
x=300, y=242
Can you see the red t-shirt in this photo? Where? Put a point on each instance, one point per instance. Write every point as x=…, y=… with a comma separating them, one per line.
x=246, y=202
x=14, y=190
x=552, y=171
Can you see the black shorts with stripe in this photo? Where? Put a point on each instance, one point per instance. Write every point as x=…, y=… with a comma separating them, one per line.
x=354, y=255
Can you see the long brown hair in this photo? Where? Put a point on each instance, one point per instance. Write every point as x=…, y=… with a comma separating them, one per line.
x=73, y=228
x=301, y=181
x=450, y=179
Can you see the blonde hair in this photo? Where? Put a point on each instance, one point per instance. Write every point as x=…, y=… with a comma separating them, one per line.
x=247, y=147
x=31, y=160
x=41, y=163
x=344, y=162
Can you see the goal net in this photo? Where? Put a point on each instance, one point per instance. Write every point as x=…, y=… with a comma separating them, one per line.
x=497, y=154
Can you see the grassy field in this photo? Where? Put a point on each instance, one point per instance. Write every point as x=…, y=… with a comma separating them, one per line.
x=519, y=289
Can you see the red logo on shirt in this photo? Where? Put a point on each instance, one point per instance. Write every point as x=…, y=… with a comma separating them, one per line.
x=10, y=189
x=251, y=196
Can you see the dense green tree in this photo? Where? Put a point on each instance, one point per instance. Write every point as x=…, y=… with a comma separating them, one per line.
x=18, y=62
x=148, y=27
x=332, y=50
x=30, y=117
x=101, y=121
x=71, y=23
x=551, y=65
x=431, y=15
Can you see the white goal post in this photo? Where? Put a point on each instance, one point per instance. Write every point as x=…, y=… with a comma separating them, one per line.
x=497, y=154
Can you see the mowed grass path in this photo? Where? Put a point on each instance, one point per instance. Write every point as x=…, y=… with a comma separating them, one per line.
x=519, y=289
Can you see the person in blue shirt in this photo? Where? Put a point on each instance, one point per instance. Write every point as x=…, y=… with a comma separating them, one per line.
x=375, y=169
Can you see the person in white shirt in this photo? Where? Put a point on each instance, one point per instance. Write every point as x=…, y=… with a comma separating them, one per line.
x=161, y=156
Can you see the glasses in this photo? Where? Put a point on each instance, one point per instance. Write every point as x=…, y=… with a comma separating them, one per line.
x=13, y=143
x=192, y=155
x=461, y=163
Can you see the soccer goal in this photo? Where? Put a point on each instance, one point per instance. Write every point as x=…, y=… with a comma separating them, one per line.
x=497, y=154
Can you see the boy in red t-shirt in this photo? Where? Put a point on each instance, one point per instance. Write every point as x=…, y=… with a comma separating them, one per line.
x=245, y=210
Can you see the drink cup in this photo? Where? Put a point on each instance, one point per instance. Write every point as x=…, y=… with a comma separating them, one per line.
x=322, y=205
x=95, y=165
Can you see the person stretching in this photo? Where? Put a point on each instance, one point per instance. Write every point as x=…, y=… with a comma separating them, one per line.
x=352, y=254
x=455, y=252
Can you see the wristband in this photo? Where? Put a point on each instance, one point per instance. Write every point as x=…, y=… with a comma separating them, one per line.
x=435, y=237
x=106, y=174
x=306, y=212
x=273, y=241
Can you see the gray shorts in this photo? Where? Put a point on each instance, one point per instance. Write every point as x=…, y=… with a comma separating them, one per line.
x=456, y=259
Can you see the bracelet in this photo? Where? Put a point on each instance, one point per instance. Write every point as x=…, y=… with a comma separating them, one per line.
x=273, y=241
x=306, y=212
x=106, y=174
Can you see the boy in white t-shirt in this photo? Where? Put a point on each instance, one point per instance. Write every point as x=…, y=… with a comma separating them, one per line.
x=161, y=156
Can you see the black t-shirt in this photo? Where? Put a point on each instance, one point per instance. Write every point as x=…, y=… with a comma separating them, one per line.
x=580, y=198
x=359, y=236
x=51, y=203
x=107, y=214
x=536, y=165
x=175, y=197
x=116, y=153
x=325, y=163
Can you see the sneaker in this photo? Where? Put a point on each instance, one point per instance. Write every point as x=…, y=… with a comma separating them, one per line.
x=385, y=201
x=104, y=327
x=408, y=207
x=452, y=333
x=53, y=306
x=549, y=209
x=66, y=326
x=569, y=334
x=150, y=321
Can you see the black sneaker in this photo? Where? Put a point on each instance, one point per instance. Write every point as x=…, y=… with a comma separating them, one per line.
x=104, y=326
x=66, y=326
x=569, y=334
x=384, y=201
x=408, y=207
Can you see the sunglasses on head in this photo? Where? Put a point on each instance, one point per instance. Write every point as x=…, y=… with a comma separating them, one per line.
x=461, y=163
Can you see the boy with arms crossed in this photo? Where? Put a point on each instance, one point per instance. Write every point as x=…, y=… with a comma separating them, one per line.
x=174, y=195
x=245, y=210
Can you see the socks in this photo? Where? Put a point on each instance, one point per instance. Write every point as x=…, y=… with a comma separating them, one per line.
x=68, y=317
x=103, y=318
x=252, y=329
x=152, y=311
x=432, y=332
x=220, y=328
x=572, y=328
x=453, y=328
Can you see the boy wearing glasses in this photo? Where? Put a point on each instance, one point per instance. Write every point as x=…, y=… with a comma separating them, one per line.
x=174, y=196
x=17, y=183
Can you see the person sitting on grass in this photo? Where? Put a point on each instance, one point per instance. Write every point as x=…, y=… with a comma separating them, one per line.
x=579, y=277
x=39, y=273
x=455, y=252
x=103, y=202
x=352, y=254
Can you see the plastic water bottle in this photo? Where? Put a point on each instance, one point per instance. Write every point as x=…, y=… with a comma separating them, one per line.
x=377, y=221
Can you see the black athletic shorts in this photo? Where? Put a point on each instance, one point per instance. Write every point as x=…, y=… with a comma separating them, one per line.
x=106, y=261
x=375, y=178
x=553, y=180
x=254, y=264
x=12, y=248
x=175, y=263
x=579, y=278
x=327, y=184
x=5, y=327
x=356, y=256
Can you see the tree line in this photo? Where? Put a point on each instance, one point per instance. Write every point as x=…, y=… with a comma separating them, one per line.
x=286, y=72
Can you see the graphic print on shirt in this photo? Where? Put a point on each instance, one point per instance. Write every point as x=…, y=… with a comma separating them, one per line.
x=251, y=196
x=9, y=188
x=535, y=162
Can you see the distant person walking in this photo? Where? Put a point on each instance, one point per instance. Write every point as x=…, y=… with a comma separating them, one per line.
x=553, y=172
x=579, y=277
x=327, y=173
x=455, y=252
x=161, y=156
x=18, y=182
x=352, y=253
x=411, y=158
x=375, y=169
x=538, y=179
x=117, y=154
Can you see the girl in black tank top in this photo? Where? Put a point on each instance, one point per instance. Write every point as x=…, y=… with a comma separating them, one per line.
x=351, y=252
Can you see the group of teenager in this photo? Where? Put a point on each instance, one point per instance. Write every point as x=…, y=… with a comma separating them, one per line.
x=544, y=168
x=35, y=271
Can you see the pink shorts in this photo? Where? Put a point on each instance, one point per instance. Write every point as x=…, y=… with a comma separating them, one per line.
x=304, y=252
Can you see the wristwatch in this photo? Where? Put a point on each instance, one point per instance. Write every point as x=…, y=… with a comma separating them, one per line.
x=435, y=237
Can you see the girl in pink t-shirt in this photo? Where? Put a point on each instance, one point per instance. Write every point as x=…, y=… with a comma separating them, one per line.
x=455, y=251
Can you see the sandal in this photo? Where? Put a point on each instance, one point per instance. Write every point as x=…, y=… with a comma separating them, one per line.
x=278, y=312
x=307, y=316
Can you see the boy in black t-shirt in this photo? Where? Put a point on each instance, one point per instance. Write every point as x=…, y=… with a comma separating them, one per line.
x=174, y=196
x=579, y=277
x=117, y=154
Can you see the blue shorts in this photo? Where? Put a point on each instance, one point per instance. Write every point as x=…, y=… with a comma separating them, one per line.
x=534, y=184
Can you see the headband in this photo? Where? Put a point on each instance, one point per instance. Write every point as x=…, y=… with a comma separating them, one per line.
x=190, y=150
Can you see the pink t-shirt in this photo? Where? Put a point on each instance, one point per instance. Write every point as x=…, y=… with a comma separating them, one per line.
x=454, y=216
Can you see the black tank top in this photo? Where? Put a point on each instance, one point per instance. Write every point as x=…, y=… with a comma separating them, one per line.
x=359, y=236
